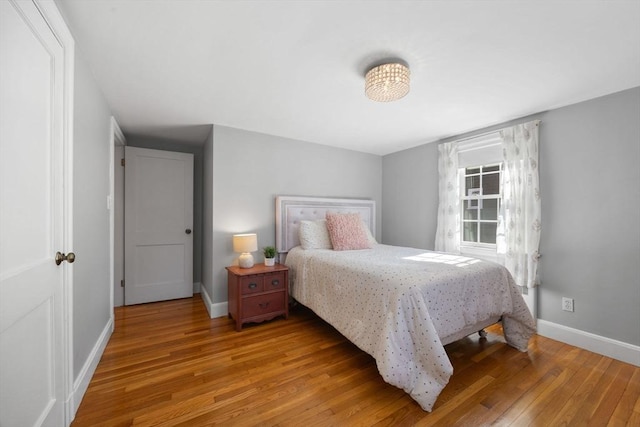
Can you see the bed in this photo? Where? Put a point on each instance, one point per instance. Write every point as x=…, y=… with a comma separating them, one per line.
x=400, y=305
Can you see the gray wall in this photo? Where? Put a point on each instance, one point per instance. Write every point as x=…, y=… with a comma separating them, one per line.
x=196, y=150
x=91, y=287
x=251, y=169
x=590, y=185
x=410, y=197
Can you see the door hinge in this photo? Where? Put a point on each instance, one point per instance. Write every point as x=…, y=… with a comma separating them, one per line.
x=122, y=283
x=122, y=162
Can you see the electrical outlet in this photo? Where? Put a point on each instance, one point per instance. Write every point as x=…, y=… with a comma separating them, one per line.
x=567, y=304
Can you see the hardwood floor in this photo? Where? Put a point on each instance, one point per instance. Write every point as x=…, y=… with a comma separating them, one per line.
x=168, y=364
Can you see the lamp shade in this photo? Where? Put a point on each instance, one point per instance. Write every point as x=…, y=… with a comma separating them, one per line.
x=243, y=243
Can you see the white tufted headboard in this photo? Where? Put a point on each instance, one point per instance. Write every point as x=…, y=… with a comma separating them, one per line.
x=290, y=210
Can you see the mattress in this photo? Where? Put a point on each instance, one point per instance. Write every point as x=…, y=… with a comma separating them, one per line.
x=398, y=303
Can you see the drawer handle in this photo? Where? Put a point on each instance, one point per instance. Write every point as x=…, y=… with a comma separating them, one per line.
x=264, y=304
x=253, y=285
x=275, y=282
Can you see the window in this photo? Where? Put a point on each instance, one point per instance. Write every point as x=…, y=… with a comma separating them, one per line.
x=468, y=212
x=480, y=203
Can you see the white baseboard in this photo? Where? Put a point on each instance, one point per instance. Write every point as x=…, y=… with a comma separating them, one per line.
x=196, y=287
x=81, y=383
x=214, y=309
x=618, y=350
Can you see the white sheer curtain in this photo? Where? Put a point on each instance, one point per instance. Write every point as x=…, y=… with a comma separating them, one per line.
x=519, y=223
x=448, y=229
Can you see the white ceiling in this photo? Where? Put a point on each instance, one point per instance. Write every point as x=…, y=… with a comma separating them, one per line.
x=295, y=68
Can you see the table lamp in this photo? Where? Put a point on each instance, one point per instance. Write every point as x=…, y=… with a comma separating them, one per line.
x=244, y=244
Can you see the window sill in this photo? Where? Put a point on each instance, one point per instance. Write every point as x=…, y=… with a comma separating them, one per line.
x=488, y=254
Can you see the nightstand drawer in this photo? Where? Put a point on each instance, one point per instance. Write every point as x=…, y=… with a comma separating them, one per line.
x=274, y=281
x=251, y=284
x=263, y=304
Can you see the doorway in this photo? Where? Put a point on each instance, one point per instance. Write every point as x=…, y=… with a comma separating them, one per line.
x=154, y=143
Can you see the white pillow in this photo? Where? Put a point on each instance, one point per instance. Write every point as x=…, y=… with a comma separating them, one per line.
x=314, y=235
x=372, y=240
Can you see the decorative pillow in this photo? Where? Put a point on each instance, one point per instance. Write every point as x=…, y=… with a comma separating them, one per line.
x=314, y=235
x=346, y=232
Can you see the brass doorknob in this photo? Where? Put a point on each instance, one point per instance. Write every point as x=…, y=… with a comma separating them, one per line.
x=188, y=231
x=70, y=257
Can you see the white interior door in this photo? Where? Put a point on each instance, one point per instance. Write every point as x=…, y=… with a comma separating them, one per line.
x=118, y=227
x=158, y=224
x=32, y=219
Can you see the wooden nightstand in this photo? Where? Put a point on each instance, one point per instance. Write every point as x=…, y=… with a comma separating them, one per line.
x=258, y=293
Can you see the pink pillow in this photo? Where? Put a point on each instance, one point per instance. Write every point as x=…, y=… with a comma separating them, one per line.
x=346, y=232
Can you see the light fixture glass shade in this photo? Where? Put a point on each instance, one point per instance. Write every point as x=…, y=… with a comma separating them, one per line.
x=245, y=244
x=387, y=82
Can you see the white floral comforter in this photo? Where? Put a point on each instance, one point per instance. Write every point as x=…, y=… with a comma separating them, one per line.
x=395, y=303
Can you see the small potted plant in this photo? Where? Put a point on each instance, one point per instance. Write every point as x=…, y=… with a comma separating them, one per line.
x=269, y=256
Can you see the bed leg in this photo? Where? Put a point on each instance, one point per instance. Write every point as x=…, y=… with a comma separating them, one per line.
x=482, y=333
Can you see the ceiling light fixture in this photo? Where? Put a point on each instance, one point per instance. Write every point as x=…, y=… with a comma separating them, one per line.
x=387, y=82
